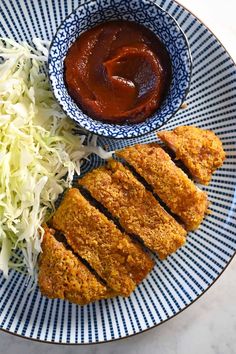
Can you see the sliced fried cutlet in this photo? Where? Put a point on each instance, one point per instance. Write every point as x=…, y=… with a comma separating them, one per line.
x=168, y=181
x=119, y=261
x=62, y=275
x=201, y=151
x=138, y=212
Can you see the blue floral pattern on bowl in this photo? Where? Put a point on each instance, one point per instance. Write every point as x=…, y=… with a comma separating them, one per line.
x=146, y=13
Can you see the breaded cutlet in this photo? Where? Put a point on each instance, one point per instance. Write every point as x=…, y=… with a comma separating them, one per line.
x=168, y=181
x=62, y=275
x=116, y=259
x=138, y=212
x=201, y=151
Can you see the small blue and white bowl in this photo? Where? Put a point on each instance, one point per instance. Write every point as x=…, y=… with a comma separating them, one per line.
x=145, y=12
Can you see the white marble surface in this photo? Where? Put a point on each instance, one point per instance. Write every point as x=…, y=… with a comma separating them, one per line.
x=209, y=325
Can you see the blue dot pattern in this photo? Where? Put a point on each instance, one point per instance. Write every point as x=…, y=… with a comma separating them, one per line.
x=178, y=281
x=145, y=13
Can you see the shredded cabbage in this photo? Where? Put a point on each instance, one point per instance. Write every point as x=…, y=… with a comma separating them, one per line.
x=39, y=154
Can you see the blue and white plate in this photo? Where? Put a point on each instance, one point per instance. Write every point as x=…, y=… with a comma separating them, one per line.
x=178, y=281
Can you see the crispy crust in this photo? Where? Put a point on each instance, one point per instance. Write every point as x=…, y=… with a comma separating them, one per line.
x=119, y=261
x=169, y=182
x=138, y=211
x=200, y=150
x=62, y=275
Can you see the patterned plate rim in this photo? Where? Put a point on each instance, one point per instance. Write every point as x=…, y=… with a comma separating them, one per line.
x=171, y=317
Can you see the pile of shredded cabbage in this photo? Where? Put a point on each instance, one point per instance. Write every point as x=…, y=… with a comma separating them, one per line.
x=37, y=150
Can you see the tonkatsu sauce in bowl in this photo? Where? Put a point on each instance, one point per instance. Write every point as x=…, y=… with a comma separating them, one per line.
x=120, y=71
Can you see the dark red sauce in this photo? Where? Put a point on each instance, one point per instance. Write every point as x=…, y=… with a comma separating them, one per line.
x=118, y=72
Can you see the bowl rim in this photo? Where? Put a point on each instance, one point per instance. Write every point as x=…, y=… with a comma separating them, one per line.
x=130, y=135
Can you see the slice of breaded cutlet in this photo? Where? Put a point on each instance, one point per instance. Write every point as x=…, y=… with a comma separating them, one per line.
x=138, y=212
x=201, y=151
x=116, y=259
x=62, y=275
x=168, y=181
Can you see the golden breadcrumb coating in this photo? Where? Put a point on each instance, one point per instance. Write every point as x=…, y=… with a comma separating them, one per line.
x=119, y=261
x=200, y=150
x=169, y=182
x=62, y=275
x=139, y=213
